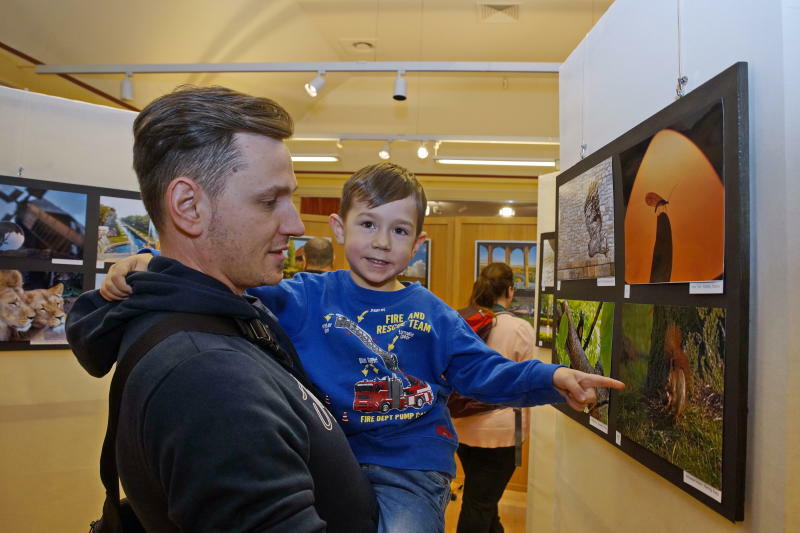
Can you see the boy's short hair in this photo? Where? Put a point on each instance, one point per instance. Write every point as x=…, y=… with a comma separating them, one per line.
x=190, y=132
x=381, y=184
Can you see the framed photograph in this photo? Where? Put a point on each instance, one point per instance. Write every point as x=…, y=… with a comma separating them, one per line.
x=678, y=279
x=123, y=228
x=586, y=223
x=419, y=268
x=584, y=333
x=34, y=306
x=545, y=289
x=673, y=364
x=547, y=278
x=41, y=222
x=675, y=201
x=521, y=257
x=545, y=323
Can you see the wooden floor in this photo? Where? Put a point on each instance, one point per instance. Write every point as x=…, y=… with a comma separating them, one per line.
x=512, y=510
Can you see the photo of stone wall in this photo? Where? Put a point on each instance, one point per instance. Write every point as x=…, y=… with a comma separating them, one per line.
x=586, y=225
x=548, y=263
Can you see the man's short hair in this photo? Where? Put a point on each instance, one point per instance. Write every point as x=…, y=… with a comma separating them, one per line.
x=381, y=184
x=190, y=132
x=318, y=252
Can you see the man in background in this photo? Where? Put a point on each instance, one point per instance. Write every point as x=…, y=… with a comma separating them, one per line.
x=318, y=254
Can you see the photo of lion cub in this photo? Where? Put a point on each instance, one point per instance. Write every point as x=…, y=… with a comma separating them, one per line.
x=48, y=305
x=16, y=316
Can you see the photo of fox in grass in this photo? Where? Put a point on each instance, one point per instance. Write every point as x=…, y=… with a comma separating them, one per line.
x=672, y=363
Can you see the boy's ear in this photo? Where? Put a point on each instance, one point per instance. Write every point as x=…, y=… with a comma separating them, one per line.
x=188, y=206
x=420, y=239
x=337, y=225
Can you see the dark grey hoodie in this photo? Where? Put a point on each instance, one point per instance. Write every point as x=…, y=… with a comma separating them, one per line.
x=215, y=434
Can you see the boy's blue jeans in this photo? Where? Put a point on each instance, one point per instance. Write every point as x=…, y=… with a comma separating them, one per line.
x=410, y=501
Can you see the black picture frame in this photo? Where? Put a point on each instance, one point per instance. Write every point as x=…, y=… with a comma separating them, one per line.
x=75, y=274
x=728, y=292
x=545, y=293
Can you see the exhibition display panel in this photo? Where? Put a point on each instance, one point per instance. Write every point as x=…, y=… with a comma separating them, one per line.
x=652, y=284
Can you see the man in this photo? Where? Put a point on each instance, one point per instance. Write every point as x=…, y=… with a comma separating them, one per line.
x=216, y=433
x=318, y=255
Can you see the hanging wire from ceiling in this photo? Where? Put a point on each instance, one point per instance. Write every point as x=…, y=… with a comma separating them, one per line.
x=682, y=79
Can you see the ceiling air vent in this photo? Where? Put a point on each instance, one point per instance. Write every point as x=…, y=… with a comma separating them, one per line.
x=490, y=12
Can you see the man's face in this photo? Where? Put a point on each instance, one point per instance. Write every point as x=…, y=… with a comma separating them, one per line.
x=254, y=216
x=379, y=242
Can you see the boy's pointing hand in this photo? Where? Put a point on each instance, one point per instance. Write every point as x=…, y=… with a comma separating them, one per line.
x=578, y=388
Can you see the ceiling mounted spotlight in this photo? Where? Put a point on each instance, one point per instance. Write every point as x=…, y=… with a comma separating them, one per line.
x=126, y=87
x=315, y=86
x=506, y=211
x=384, y=153
x=422, y=151
x=400, y=86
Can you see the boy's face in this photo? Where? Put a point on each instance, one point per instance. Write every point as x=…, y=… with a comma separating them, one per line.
x=379, y=242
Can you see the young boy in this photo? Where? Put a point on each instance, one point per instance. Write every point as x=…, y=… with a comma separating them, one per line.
x=387, y=356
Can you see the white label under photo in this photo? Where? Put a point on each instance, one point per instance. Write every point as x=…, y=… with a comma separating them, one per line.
x=627, y=291
x=707, y=287
x=540, y=343
x=67, y=261
x=609, y=281
x=597, y=424
x=558, y=285
x=618, y=438
x=702, y=486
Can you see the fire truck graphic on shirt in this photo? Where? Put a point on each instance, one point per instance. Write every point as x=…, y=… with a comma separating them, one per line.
x=398, y=391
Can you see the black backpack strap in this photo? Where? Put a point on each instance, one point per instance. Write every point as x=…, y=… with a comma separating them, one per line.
x=254, y=330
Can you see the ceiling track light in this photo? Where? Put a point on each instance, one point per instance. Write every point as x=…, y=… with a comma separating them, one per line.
x=422, y=151
x=126, y=87
x=428, y=137
x=333, y=66
x=315, y=86
x=385, y=152
x=400, y=86
x=505, y=162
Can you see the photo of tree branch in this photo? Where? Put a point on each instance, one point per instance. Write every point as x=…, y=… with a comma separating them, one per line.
x=584, y=338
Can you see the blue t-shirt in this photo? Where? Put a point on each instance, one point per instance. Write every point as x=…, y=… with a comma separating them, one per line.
x=387, y=362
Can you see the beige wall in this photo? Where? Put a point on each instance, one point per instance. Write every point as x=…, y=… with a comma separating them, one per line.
x=52, y=422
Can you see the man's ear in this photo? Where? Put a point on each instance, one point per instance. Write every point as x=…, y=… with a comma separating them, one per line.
x=188, y=206
x=337, y=225
x=420, y=239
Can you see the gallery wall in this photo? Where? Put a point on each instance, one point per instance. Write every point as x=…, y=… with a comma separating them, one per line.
x=52, y=413
x=624, y=71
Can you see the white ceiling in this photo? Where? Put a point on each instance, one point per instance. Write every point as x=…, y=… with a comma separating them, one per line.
x=193, y=31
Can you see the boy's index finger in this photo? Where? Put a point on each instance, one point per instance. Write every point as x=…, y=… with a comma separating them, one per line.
x=595, y=380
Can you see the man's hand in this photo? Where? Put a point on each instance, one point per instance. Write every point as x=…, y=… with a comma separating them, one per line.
x=114, y=285
x=578, y=388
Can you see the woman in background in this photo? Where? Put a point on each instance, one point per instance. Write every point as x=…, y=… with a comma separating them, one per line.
x=486, y=440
